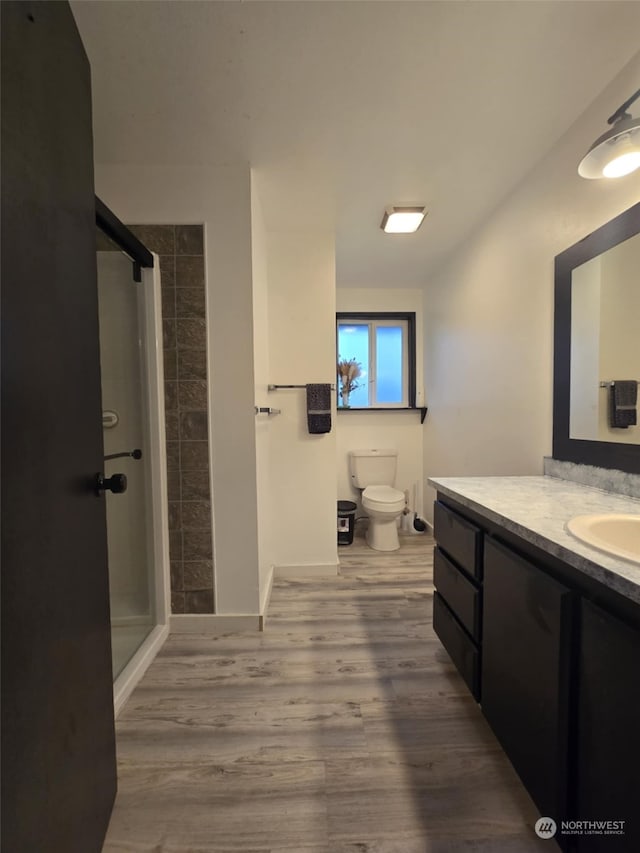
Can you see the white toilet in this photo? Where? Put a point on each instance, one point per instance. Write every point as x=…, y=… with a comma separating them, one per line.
x=374, y=471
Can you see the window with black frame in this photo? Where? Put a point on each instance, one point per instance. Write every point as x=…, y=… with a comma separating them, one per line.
x=376, y=360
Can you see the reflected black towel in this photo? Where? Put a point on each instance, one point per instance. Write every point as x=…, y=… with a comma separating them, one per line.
x=623, y=396
x=319, y=408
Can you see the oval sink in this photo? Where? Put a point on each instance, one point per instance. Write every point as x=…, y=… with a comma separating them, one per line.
x=618, y=535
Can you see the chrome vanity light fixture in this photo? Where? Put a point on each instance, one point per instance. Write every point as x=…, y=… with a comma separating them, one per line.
x=616, y=152
x=402, y=220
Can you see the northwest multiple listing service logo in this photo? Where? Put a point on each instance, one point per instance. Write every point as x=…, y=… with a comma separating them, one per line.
x=546, y=827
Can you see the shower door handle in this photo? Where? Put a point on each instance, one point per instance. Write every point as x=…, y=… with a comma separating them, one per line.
x=135, y=454
x=116, y=483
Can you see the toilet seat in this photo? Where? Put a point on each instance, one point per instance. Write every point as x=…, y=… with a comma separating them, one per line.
x=383, y=498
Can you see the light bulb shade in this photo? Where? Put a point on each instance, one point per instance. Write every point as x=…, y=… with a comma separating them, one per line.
x=402, y=220
x=625, y=163
x=615, y=153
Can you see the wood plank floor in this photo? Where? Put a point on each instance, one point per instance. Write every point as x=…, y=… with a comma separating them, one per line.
x=343, y=728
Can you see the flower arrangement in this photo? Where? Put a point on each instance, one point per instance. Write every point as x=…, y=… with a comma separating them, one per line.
x=348, y=371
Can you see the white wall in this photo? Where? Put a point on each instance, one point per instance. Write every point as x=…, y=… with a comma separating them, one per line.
x=605, y=339
x=584, y=389
x=261, y=380
x=399, y=430
x=619, y=329
x=489, y=313
x=219, y=197
x=302, y=467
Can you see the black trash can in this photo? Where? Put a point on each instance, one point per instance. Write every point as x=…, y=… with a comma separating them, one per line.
x=346, y=521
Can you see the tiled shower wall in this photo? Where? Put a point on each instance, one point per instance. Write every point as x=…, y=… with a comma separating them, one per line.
x=181, y=251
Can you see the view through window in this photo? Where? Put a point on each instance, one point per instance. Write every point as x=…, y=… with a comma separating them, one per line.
x=376, y=360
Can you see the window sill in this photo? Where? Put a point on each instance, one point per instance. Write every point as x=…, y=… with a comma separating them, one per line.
x=423, y=410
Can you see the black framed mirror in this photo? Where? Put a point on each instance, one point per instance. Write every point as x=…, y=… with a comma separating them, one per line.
x=571, y=441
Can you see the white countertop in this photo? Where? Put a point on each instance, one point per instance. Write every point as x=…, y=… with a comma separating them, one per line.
x=537, y=509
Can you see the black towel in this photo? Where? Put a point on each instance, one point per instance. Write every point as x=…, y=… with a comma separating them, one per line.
x=319, y=408
x=623, y=395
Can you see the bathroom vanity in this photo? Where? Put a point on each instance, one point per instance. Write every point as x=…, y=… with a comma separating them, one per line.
x=545, y=631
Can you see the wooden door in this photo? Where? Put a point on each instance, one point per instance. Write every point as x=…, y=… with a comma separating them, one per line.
x=58, y=749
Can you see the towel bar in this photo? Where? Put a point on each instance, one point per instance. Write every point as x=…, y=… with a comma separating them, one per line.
x=267, y=410
x=277, y=387
x=609, y=382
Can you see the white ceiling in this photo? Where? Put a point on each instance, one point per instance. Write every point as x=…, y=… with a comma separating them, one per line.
x=346, y=107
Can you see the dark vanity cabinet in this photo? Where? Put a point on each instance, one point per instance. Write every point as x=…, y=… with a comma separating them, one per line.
x=608, y=730
x=526, y=642
x=553, y=658
x=457, y=574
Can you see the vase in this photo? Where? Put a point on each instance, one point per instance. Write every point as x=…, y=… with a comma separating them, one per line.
x=344, y=394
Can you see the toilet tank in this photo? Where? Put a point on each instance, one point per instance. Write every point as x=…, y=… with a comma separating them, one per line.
x=372, y=467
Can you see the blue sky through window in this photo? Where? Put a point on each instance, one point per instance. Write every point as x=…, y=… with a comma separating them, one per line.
x=353, y=342
x=382, y=344
x=389, y=364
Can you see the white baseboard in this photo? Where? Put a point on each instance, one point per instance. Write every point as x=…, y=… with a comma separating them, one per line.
x=309, y=570
x=125, y=683
x=214, y=623
x=266, y=598
x=229, y=623
x=130, y=621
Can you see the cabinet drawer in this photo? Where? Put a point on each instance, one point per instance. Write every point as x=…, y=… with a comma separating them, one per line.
x=461, y=539
x=459, y=646
x=462, y=596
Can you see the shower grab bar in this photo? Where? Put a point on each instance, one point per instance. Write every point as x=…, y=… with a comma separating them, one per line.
x=277, y=387
x=135, y=454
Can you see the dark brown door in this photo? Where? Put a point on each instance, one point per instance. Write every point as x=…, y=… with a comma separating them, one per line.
x=58, y=751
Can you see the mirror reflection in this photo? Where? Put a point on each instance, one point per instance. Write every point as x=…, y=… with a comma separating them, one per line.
x=605, y=346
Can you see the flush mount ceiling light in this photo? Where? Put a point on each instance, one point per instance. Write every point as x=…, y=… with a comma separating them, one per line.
x=616, y=152
x=402, y=220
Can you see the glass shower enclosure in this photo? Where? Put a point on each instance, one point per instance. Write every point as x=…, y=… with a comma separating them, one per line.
x=133, y=430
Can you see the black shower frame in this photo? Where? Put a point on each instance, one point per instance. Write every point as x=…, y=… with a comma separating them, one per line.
x=118, y=232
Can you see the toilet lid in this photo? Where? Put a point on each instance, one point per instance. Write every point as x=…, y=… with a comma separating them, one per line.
x=383, y=494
